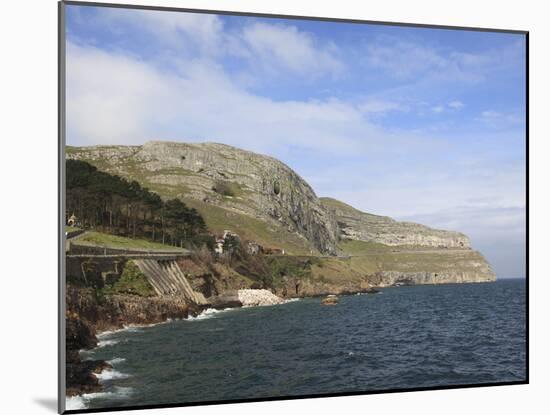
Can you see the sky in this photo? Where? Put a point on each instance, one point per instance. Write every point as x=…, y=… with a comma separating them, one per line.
x=423, y=125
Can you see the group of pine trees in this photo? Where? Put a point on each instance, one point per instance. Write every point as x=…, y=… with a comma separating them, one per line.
x=112, y=204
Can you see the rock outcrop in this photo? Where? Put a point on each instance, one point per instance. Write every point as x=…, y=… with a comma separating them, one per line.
x=391, y=278
x=117, y=311
x=88, y=314
x=361, y=226
x=263, y=200
x=235, y=180
x=250, y=298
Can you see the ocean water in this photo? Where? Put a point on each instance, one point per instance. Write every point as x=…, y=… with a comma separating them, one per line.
x=406, y=337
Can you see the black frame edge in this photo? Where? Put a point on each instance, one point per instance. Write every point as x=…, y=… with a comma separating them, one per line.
x=61, y=324
x=61, y=205
x=527, y=207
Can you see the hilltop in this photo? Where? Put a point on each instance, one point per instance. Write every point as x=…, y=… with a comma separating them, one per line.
x=263, y=200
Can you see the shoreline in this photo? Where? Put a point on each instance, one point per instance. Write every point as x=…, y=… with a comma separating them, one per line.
x=193, y=314
x=107, y=365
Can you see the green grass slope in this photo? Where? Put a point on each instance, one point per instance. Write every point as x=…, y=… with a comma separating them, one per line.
x=93, y=238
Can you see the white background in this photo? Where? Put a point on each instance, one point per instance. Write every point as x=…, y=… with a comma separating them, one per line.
x=28, y=162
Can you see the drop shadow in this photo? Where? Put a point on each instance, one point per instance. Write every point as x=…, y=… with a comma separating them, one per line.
x=48, y=403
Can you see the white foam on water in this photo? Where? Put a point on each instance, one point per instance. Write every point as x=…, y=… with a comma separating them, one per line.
x=83, y=401
x=132, y=328
x=291, y=300
x=116, y=360
x=105, y=333
x=103, y=343
x=110, y=374
x=208, y=313
x=74, y=402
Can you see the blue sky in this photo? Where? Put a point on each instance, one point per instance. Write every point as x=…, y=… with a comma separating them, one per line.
x=423, y=125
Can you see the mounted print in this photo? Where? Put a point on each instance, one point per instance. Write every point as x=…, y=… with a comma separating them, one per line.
x=260, y=207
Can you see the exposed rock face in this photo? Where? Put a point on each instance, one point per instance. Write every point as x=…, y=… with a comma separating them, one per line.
x=361, y=226
x=79, y=373
x=314, y=288
x=117, y=311
x=258, y=298
x=259, y=186
x=245, y=298
x=389, y=278
x=230, y=185
x=88, y=314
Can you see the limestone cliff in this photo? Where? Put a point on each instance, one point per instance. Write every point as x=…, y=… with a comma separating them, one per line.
x=253, y=191
x=361, y=226
x=406, y=253
x=262, y=199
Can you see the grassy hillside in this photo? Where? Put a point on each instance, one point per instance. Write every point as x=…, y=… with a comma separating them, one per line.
x=92, y=238
x=248, y=228
x=217, y=218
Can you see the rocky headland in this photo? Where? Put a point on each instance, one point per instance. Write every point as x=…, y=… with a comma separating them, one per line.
x=265, y=201
x=303, y=245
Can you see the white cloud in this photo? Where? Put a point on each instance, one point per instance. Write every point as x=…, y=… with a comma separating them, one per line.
x=379, y=106
x=497, y=119
x=284, y=46
x=113, y=98
x=483, y=198
x=497, y=231
x=109, y=97
x=408, y=60
x=491, y=115
x=456, y=105
x=403, y=59
x=268, y=47
x=201, y=32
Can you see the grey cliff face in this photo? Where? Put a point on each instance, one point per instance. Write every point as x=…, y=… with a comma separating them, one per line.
x=360, y=226
x=268, y=191
x=262, y=187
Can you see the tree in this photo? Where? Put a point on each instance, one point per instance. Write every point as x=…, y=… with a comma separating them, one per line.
x=112, y=204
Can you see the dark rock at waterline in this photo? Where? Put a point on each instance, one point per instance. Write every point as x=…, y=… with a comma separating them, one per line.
x=81, y=375
x=80, y=334
x=371, y=290
x=227, y=300
x=330, y=300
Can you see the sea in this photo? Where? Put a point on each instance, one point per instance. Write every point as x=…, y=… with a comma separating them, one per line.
x=401, y=338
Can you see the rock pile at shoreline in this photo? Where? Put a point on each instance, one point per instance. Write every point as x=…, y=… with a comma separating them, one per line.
x=249, y=297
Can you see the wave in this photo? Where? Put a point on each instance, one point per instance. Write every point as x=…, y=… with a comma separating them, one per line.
x=212, y=312
x=83, y=401
x=106, y=333
x=134, y=328
x=116, y=360
x=208, y=313
x=110, y=374
x=103, y=343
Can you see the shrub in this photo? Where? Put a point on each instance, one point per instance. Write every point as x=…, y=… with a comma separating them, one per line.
x=132, y=281
x=224, y=188
x=203, y=255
